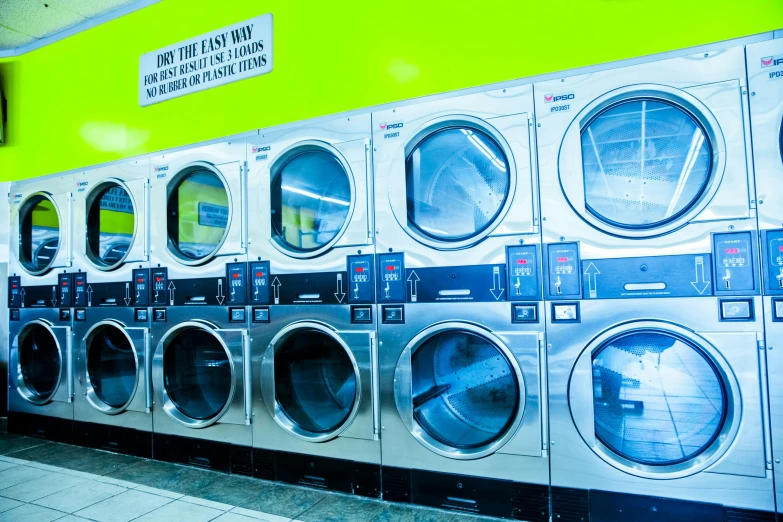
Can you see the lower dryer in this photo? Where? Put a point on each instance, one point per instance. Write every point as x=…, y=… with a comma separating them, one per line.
x=40, y=380
x=316, y=418
x=657, y=389
x=113, y=401
x=200, y=377
x=463, y=410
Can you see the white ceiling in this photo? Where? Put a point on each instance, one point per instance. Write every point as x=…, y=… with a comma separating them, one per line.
x=27, y=22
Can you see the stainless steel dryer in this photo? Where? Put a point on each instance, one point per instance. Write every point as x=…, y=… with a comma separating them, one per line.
x=765, y=73
x=658, y=406
x=312, y=289
x=201, y=382
x=113, y=401
x=646, y=160
x=40, y=383
x=459, y=293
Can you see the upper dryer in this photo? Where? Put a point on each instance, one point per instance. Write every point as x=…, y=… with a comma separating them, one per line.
x=454, y=180
x=310, y=195
x=648, y=159
x=41, y=229
x=198, y=210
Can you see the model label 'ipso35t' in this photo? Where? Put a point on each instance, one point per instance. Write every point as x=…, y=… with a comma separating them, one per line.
x=236, y=52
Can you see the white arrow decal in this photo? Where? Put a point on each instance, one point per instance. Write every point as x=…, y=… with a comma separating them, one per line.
x=127, y=294
x=700, y=284
x=54, y=296
x=220, y=295
x=89, y=295
x=592, y=280
x=388, y=289
x=497, y=290
x=22, y=292
x=276, y=287
x=171, y=293
x=339, y=294
x=413, y=279
x=356, y=291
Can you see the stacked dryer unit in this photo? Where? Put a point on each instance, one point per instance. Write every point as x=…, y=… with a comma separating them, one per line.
x=765, y=74
x=462, y=361
x=313, y=333
x=655, y=337
x=40, y=384
x=112, y=356
x=200, y=368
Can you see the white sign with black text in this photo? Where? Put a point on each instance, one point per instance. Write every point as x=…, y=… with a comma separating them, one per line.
x=236, y=52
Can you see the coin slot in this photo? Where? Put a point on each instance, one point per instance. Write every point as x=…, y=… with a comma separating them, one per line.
x=638, y=287
x=309, y=296
x=448, y=293
x=196, y=299
x=108, y=300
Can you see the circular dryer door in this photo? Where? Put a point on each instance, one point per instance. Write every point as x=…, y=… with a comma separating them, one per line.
x=198, y=211
x=112, y=368
x=651, y=159
x=312, y=199
x=458, y=182
x=39, y=234
x=198, y=376
x=662, y=403
x=463, y=390
x=111, y=224
x=40, y=363
x=316, y=382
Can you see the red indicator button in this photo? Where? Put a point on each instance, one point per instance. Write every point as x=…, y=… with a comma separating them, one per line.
x=562, y=260
x=259, y=274
x=140, y=280
x=390, y=267
x=158, y=279
x=65, y=283
x=360, y=269
x=732, y=250
x=13, y=286
x=521, y=261
x=78, y=283
x=235, y=276
x=780, y=249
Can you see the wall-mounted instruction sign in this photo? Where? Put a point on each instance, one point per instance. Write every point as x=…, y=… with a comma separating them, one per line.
x=226, y=55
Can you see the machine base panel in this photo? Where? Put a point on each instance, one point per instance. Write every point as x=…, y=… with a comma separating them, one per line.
x=41, y=426
x=576, y=505
x=127, y=441
x=346, y=476
x=216, y=456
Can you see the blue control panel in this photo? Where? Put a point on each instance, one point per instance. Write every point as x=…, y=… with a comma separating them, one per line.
x=15, y=292
x=391, y=278
x=734, y=263
x=65, y=284
x=259, y=282
x=563, y=271
x=141, y=287
x=523, y=274
x=80, y=289
x=361, y=282
x=160, y=282
x=772, y=247
x=236, y=279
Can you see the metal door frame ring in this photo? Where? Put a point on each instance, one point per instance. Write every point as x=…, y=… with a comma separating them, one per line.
x=25, y=206
x=90, y=394
x=21, y=386
x=281, y=161
x=168, y=404
x=430, y=128
x=403, y=398
x=89, y=201
x=268, y=388
x=175, y=181
x=732, y=417
x=678, y=98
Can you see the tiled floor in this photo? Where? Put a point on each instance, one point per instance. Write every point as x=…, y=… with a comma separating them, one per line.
x=43, y=481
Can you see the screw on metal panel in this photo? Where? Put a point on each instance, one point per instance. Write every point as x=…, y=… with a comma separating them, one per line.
x=761, y=202
x=769, y=347
x=706, y=55
x=552, y=443
x=504, y=90
x=753, y=93
x=562, y=80
x=539, y=125
x=777, y=461
x=731, y=227
x=744, y=92
x=562, y=238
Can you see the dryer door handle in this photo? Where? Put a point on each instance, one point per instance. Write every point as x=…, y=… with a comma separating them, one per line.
x=403, y=389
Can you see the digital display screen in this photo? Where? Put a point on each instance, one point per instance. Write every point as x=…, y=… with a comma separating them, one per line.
x=562, y=260
x=732, y=250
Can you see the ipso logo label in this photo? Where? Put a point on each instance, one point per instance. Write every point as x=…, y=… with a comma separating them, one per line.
x=160, y=171
x=771, y=61
x=81, y=186
x=262, y=149
x=390, y=126
x=557, y=98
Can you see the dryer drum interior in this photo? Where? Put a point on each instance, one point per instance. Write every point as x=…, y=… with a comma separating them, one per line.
x=645, y=162
x=465, y=390
x=197, y=214
x=40, y=363
x=111, y=366
x=658, y=399
x=39, y=233
x=110, y=225
x=197, y=374
x=315, y=381
x=311, y=199
x=457, y=183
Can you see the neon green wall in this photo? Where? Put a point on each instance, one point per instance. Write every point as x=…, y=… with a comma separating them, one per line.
x=74, y=103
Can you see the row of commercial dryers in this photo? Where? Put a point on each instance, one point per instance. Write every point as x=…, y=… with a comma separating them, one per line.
x=485, y=302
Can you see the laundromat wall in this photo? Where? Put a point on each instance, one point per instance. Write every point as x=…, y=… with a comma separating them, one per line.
x=73, y=104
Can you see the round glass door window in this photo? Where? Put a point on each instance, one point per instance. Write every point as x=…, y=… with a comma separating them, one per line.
x=110, y=225
x=457, y=181
x=111, y=366
x=657, y=399
x=40, y=363
x=197, y=374
x=315, y=381
x=311, y=199
x=198, y=210
x=39, y=234
x=645, y=163
x=465, y=391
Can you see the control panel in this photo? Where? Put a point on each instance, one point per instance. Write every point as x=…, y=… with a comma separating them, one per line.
x=236, y=279
x=773, y=256
x=141, y=287
x=160, y=282
x=360, y=278
x=564, y=274
x=65, y=284
x=733, y=262
x=522, y=271
x=80, y=289
x=259, y=282
x=391, y=278
x=15, y=292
